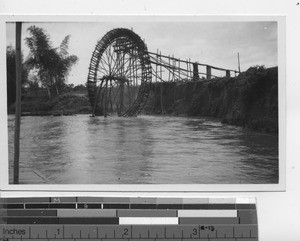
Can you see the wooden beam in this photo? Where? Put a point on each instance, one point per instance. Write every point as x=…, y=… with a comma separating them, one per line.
x=18, y=102
x=184, y=61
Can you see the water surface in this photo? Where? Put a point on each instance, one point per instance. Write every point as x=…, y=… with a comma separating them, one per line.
x=144, y=150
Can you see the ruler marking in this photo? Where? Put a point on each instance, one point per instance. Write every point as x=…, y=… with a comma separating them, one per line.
x=233, y=231
x=222, y=229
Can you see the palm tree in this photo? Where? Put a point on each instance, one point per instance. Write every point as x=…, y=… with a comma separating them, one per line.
x=52, y=64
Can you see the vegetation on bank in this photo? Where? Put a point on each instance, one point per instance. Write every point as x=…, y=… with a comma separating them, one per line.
x=72, y=101
x=249, y=100
x=46, y=67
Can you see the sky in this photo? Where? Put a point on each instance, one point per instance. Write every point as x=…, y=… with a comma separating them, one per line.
x=213, y=43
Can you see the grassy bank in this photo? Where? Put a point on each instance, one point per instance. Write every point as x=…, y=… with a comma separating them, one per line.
x=70, y=103
x=249, y=100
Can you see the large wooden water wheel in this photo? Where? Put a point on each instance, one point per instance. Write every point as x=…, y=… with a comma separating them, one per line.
x=119, y=75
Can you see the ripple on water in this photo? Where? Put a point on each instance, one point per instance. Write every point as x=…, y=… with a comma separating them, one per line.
x=146, y=149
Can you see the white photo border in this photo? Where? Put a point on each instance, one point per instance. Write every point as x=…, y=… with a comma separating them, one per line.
x=109, y=188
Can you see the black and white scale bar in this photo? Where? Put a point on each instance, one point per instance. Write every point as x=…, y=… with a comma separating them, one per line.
x=125, y=206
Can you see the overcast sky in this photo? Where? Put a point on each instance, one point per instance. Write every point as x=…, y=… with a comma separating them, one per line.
x=213, y=43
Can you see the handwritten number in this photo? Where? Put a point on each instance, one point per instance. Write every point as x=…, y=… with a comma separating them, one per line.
x=207, y=228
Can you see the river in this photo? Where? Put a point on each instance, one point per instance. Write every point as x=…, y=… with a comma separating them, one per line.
x=144, y=150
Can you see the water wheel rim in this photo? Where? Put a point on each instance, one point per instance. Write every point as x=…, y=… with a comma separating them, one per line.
x=98, y=59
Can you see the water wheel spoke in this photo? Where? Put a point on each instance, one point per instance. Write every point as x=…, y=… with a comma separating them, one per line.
x=119, y=70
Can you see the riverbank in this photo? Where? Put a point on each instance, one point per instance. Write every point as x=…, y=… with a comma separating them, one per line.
x=70, y=103
x=249, y=100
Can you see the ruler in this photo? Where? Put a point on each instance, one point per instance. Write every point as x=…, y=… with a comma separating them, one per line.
x=131, y=219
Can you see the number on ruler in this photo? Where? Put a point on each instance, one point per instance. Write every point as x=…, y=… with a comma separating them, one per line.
x=195, y=231
x=125, y=231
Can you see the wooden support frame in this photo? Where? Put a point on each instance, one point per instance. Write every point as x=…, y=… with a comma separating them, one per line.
x=18, y=103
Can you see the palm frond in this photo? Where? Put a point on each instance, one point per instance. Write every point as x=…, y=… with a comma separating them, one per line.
x=49, y=62
x=63, y=48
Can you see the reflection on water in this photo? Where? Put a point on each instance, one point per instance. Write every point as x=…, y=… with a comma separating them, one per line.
x=143, y=150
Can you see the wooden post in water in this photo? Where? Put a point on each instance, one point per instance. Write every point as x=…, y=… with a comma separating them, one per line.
x=18, y=102
x=121, y=97
x=161, y=87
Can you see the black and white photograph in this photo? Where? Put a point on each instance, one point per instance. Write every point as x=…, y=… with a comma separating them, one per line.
x=135, y=100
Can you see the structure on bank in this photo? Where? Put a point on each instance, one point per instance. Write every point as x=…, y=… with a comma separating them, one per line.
x=122, y=69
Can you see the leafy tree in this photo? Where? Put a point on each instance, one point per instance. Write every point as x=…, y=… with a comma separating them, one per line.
x=11, y=75
x=52, y=64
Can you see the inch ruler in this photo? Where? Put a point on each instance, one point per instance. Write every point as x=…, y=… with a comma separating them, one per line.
x=131, y=219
